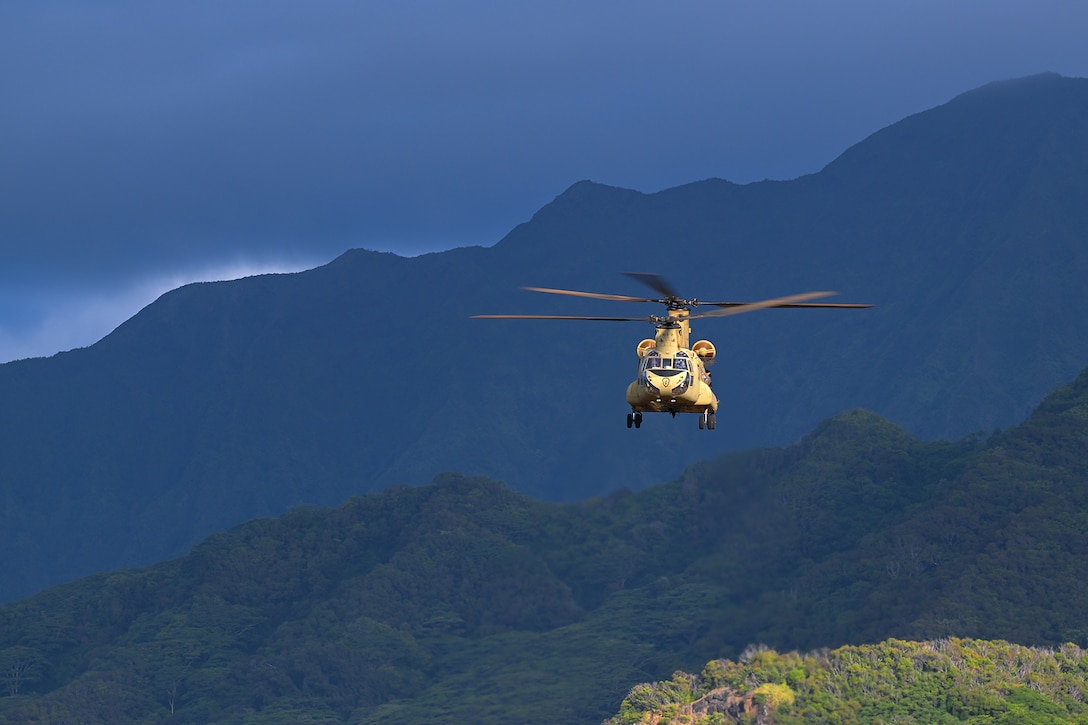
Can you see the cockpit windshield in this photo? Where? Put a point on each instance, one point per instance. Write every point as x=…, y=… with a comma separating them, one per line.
x=665, y=365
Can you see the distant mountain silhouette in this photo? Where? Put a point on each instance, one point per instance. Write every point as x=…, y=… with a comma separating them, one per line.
x=965, y=225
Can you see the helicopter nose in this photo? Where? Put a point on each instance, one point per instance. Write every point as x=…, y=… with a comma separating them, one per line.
x=673, y=382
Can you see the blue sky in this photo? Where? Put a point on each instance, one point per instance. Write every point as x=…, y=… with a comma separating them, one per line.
x=146, y=145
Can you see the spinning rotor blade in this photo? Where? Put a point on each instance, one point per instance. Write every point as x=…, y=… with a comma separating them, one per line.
x=655, y=282
x=846, y=305
x=678, y=307
x=592, y=295
x=562, y=317
x=792, y=300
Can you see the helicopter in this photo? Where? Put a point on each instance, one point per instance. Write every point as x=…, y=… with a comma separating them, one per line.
x=673, y=375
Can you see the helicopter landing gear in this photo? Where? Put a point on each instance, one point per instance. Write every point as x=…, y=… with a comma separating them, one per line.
x=708, y=420
x=634, y=419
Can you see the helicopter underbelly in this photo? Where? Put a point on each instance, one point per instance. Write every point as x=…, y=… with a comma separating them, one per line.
x=695, y=399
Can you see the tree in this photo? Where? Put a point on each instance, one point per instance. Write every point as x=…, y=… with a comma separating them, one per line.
x=19, y=666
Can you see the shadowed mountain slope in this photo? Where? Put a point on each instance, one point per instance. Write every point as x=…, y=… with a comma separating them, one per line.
x=465, y=601
x=964, y=225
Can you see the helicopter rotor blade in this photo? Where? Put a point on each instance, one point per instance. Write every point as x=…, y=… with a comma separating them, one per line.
x=655, y=282
x=844, y=305
x=762, y=305
x=561, y=317
x=592, y=295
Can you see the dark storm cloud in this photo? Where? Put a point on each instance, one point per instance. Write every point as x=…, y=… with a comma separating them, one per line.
x=183, y=130
x=144, y=140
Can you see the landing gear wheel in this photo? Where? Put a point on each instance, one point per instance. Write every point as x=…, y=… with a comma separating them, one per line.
x=630, y=419
x=712, y=421
x=638, y=420
x=702, y=421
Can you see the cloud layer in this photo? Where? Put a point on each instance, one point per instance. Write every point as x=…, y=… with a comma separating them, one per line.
x=146, y=138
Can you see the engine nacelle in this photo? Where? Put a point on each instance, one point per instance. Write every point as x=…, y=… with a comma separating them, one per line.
x=705, y=350
x=645, y=346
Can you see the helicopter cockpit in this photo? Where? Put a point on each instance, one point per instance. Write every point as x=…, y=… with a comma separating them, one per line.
x=662, y=375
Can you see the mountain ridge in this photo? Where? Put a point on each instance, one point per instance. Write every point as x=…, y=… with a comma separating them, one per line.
x=224, y=401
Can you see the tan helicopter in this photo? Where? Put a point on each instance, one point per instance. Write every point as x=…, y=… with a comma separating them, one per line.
x=672, y=374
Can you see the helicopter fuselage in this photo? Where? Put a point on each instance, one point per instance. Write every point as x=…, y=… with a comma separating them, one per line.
x=673, y=377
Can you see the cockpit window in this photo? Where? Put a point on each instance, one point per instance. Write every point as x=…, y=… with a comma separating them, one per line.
x=665, y=364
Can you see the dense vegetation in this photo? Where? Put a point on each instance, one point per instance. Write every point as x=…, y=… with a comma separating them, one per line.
x=927, y=683
x=465, y=601
x=220, y=403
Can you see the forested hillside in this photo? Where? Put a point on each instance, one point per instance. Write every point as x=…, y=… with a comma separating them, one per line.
x=925, y=683
x=465, y=601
